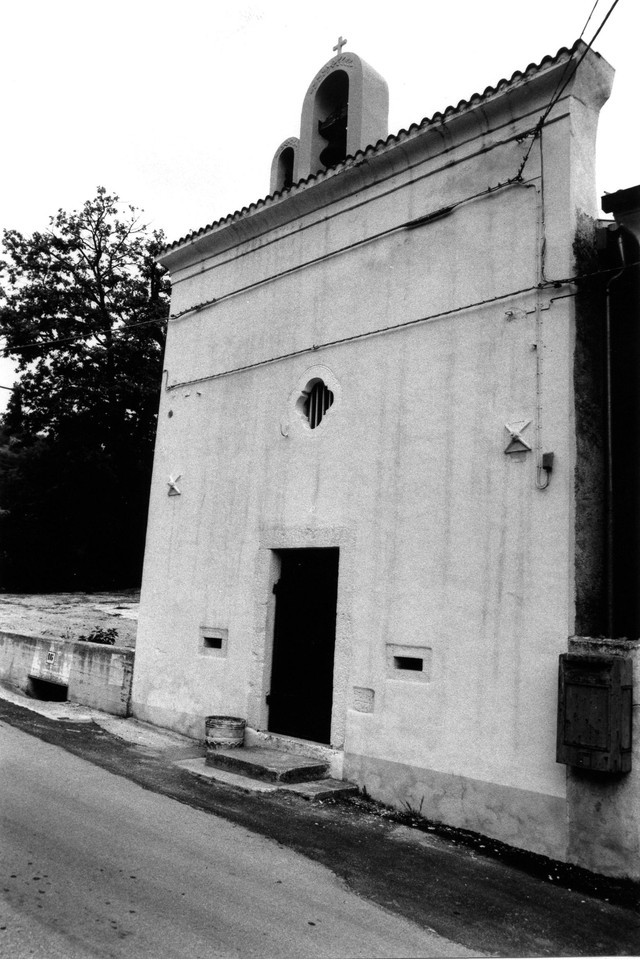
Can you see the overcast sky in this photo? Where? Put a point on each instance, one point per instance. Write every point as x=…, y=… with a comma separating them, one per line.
x=178, y=108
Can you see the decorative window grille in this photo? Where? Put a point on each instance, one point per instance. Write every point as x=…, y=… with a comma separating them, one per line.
x=318, y=401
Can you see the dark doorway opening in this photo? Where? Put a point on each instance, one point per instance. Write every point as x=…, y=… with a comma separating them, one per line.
x=301, y=693
x=47, y=691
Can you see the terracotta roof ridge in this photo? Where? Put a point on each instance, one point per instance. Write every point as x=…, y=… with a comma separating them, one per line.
x=390, y=140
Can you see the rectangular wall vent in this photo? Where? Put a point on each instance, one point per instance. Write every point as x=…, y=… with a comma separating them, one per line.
x=408, y=663
x=213, y=641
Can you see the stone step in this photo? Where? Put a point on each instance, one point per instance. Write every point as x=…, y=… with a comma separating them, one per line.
x=317, y=789
x=267, y=765
x=199, y=767
x=323, y=789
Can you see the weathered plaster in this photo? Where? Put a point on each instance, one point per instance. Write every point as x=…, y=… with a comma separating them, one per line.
x=523, y=818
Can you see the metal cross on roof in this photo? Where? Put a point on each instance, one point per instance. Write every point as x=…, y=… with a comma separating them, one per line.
x=339, y=45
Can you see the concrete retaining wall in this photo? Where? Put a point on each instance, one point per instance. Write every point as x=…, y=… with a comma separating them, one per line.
x=95, y=675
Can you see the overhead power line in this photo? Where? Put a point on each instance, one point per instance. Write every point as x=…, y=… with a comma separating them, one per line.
x=563, y=83
x=121, y=331
x=589, y=18
x=194, y=309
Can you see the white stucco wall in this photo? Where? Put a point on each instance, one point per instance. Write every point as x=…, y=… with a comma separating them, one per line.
x=446, y=543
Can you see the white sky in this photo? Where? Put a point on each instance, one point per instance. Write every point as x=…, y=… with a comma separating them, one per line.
x=179, y=108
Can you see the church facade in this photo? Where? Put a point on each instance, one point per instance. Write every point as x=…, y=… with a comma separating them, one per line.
x=374, y=525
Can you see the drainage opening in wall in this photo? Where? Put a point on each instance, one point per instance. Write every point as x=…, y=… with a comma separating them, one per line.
x=45, y=690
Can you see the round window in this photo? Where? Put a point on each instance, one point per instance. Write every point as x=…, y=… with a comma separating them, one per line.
x=316, y=402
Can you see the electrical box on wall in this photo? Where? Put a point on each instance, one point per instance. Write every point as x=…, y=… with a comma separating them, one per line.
x=594, y=713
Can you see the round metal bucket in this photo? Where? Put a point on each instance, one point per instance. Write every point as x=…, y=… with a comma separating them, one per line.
x=224, y=732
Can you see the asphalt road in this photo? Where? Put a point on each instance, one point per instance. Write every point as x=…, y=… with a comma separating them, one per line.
x=93, y=865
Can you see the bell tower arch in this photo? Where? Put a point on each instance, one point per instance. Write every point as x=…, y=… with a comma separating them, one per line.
x=329, y=122
x=284, y=171
x=346, y=108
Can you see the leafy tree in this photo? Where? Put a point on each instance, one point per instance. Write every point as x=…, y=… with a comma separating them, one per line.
x=83, y=309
